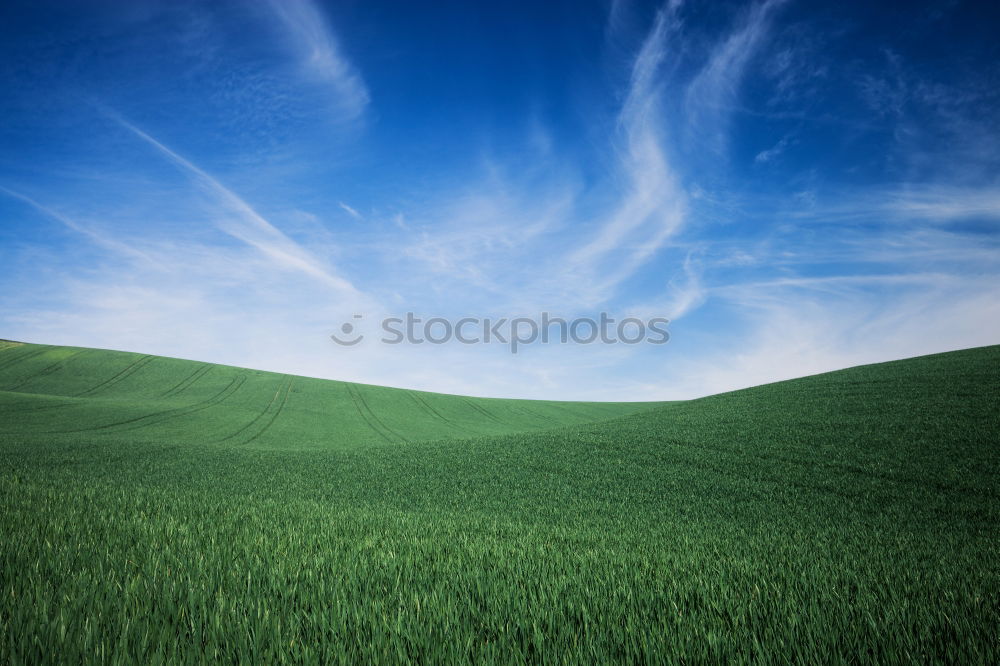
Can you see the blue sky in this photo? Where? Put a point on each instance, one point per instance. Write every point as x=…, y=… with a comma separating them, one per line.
x=798, y=186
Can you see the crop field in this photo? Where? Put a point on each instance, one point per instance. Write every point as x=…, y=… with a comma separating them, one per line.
x=156, y=510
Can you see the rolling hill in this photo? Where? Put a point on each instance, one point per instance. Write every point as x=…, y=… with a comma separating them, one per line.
x=96, y=393
x=164, y=510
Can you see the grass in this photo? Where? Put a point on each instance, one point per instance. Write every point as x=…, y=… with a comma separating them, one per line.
x=157, y=510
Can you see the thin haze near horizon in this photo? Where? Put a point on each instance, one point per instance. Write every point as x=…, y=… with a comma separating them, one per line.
x=798, y=187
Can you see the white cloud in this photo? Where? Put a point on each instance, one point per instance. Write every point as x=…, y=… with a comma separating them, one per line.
x=921, y=202
x=249, y=226
x=309, y=33
x=943, y=203
x=806, y=327
x=771, y=153
x=104, y=240
x=711, y=94
x=350, y=211
x=478, y=235
x=653, y=209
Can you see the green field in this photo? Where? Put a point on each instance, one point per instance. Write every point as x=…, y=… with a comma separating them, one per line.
x=156, y=510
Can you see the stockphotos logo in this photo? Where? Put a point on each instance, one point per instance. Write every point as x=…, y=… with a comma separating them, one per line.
x=515, y=333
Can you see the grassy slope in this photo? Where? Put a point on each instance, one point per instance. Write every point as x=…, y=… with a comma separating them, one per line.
x=99, y=394
x=846, y=516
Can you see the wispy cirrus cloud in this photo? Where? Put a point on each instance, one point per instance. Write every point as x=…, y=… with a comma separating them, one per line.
x=104, y=240
x=711, y=95
x=653, y=208
x=770, y=154
x=480, y=234
x=943, y=203
x=805, y=326
x=249, y=226
x=350, y=211
x=927, y=202
x=320, y=53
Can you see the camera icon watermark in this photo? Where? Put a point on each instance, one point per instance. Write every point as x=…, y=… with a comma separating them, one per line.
x=515, y=333
x=348, y=337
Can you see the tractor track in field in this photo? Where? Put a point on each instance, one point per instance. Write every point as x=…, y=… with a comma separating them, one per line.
x=47, y=370
x=482, y=410
x=165, y=415
x=176, y=390
x=568, y=411
x=187, y=382
x=552, y=421
x=371, y=419
x=122, y=374
x=537, y=416
x=274, y=417
x=288, y=387
x=358, y=402
x=428, y=409
x=31, y=353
